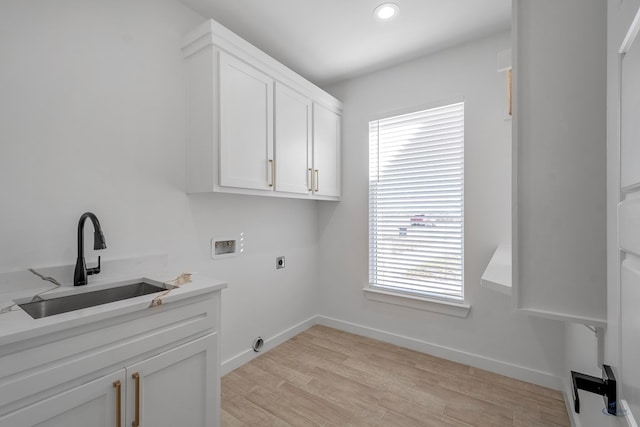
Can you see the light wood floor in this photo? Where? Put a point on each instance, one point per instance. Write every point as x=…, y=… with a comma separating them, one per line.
x=326, y=377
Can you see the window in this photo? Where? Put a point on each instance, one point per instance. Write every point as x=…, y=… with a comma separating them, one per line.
x=416, y=229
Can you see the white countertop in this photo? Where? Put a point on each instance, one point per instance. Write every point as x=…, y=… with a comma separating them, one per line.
x=22, y=286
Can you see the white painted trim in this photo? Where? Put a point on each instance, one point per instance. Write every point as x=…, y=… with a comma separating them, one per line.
x=435, y=103
x=568, y=402
x=544, y=379
x=211, y=32
x=516, y=295
x=598, y=323
x=418, y=303
x=631, y=421
x=240, y=359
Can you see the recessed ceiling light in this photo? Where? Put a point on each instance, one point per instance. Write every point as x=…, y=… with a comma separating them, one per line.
x=386, y=11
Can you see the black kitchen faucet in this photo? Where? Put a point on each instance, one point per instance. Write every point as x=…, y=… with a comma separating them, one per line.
x=81, y=271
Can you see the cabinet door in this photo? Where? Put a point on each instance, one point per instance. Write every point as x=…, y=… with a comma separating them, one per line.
x=246, y=125
x=92, y=404
x=326, y=152
x=292, y=141
x=179, y=387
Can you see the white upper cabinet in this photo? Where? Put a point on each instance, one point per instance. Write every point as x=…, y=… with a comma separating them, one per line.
x=326, y=152
x=293, y=141
x=246, y=125
x=253, y=125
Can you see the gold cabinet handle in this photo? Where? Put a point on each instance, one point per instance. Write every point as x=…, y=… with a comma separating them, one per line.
x=310, y=180
x=510, y=90
x=136, y=421
x=118, y=386
x=273, y=171
x=317, y=180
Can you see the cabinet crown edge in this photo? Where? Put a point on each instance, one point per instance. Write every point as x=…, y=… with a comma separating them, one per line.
x=212, y=33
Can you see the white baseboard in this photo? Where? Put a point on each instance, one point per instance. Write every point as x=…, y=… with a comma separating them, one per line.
x=568, y=401
x=507, y=369
x=631, y=421
x=510, y=370
x=269, y=343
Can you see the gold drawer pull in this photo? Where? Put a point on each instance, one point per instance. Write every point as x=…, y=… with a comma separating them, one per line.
x=118, y=386
x=136, y=421
x=273, y=172
x=310, y=180
x=317, y=180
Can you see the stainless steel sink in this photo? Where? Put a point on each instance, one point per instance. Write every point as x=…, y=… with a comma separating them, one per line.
x=53, y=306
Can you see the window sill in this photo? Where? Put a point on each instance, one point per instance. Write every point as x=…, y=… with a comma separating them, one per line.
x=418, y=303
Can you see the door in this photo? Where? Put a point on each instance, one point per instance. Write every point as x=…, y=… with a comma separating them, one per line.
x=629, y=223
x=99, y=403
x=292, y=141
x=326, y=152
x=176, y=388
x=246, y=125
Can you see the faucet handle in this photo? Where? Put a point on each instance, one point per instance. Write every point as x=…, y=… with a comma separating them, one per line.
x=94, y=270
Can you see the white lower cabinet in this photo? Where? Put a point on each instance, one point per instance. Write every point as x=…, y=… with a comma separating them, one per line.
x=157, y=367
x=175, y=388
x=92, y=404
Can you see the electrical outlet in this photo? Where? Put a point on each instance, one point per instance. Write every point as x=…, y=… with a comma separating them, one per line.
x=279, y=262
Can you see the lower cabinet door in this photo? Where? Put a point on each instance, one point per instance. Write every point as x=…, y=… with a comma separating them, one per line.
x=179, y=387
x=99, y=403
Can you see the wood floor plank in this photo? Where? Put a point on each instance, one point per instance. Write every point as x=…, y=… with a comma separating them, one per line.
x=356, y=405
x=252, y=373
x=286, y=411
x=234, y=383
x=250, y=414
x=554, y=414
x=229, y=420
x=281, y=370
x=394, y=419
x=331, y=411
x=352, y=387
x=409, y=408
x=324, y=377
x=477, y=412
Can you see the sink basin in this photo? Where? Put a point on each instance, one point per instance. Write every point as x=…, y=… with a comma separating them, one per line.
x=53, y=306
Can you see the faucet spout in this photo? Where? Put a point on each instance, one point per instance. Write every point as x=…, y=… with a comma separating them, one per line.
x=81, y=271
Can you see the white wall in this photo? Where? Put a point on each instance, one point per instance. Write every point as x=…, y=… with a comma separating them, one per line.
x=92, y=117
x=492, y=330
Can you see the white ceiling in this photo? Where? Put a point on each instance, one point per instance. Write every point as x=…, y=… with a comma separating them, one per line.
x=331, y=40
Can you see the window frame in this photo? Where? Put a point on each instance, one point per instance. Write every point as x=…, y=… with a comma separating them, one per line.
x=407, y=298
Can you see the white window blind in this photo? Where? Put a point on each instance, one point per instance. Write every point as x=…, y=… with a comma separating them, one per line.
x=416, y=230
